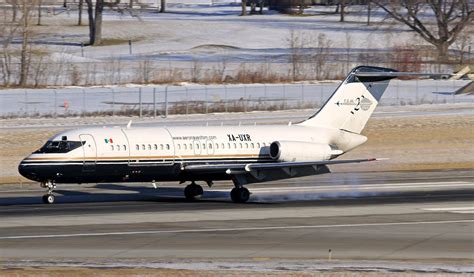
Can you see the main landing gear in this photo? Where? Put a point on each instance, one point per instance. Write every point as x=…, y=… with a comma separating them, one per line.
x=193, y=191
x=49, y=197
x=239, y=195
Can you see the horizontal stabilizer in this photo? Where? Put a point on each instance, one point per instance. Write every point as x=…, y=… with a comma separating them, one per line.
x=397, y=74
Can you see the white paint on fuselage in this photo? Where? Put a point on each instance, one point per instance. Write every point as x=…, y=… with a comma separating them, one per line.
x=139, y=143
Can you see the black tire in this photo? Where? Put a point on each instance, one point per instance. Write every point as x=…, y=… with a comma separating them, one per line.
x=192, y=192
x=198, y=191
x=48, y=199
x=240, y=195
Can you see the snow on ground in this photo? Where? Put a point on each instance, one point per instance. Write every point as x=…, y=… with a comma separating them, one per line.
x=187, y=26
x=224, y=43
x=213, y=98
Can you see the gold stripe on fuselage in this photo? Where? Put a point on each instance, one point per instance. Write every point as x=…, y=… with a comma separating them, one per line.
x=146, y=157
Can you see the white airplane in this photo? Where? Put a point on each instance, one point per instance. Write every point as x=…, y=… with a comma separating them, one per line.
x=243, y=154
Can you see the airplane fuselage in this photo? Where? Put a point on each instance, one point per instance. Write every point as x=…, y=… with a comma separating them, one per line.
x=143, y=154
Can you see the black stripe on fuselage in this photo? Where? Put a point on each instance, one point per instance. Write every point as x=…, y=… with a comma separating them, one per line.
x=138, y=161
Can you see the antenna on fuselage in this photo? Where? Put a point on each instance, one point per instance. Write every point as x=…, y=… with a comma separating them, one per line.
x=129, y=125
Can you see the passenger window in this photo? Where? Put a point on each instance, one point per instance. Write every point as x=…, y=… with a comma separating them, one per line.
x=197, y=146
x=185, y=146
x=251, y=145
x=191, y=146
x=161, y=147
x=143, y=146
x=112, y=147
x=124, y=147
x=235, y=145
x=203, y=146
x=222, y=146
x=137, y=146
x=179, y=146
x=228, y=145
x=264, y=144
x=258, y=144
x=149, y=146
x=246, y=145
x=167, y=147
x=155, y=146
x=118, y=147
x=217, y=145
x=210, y=145
x=240, y=145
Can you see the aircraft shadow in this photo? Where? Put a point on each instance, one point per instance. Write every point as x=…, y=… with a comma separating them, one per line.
x=117, y=193
x=175, y=195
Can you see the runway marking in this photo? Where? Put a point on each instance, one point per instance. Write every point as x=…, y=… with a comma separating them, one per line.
x=233, y=229
x=457, y=210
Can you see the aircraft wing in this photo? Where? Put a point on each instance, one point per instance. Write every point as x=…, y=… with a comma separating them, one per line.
x=248, y=168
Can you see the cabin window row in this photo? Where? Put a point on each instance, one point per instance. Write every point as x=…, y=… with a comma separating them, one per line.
x=190, y=146
x=118, y=147
x=152, y=147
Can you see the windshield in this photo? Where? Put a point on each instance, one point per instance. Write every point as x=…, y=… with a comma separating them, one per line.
x=62, y=146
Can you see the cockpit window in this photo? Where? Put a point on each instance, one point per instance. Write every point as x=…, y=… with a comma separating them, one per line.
x=62, y=146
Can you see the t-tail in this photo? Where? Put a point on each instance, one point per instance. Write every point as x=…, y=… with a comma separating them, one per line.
x=351, y=105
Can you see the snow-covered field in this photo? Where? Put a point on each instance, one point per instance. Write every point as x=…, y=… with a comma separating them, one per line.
x=192, y=98
x=187, y=26
x=204, y=34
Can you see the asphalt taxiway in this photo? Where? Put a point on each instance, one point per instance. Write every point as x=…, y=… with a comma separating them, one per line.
x=417, y=216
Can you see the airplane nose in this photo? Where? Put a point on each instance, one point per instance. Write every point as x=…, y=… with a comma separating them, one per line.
x=27, y=171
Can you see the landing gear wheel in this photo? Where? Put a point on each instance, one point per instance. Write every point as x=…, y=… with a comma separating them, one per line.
x=193, y=191
x=240, y=195
x=48, y=199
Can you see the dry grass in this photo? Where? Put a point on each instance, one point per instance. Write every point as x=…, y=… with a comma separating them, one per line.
x=418, y=143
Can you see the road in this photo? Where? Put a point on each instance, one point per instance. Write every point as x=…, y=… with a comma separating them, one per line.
x=388, y=216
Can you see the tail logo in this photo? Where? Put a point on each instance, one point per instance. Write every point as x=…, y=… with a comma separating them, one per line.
x=359, y=103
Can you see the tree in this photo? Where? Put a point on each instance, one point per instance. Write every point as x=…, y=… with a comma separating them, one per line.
x=40, y=2
x=95, y=21
x=244, y=8
x=450, y=18
x=80, y=5
x=342, y=3
x=26, y=13
x=8, y=32
x=14, y=4
x=163, y=6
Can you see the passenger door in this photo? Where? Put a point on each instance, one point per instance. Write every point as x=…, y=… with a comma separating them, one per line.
x=90, y=153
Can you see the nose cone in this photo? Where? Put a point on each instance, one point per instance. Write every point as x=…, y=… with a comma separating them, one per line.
x=27, y=170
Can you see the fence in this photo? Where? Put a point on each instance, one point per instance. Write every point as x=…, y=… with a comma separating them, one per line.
x=164, y=100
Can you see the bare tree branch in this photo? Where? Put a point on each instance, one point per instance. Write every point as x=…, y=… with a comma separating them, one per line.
x=450, y=18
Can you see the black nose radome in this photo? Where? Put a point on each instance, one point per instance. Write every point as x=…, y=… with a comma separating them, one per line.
x=27, y=171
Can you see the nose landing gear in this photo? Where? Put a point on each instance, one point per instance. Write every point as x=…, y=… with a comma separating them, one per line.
x=49, y=197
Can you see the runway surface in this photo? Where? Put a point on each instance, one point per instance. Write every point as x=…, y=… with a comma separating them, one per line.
x=402, y=216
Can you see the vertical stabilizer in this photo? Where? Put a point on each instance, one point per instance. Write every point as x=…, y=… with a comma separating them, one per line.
x=351, y=105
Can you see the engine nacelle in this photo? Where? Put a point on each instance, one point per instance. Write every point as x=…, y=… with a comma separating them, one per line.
x=297, y=151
